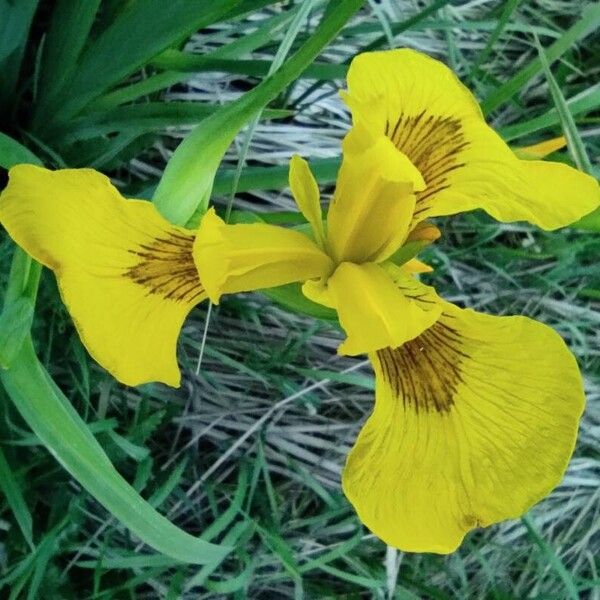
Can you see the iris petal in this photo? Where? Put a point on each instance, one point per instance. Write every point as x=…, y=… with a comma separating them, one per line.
x=246, y=257
x=435, y=121
x=126, y=275
x=474, y=422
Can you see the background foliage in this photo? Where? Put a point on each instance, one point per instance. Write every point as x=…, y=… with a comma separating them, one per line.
x=248, y=452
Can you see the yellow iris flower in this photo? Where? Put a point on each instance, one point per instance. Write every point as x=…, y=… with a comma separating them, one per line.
x=475, y=416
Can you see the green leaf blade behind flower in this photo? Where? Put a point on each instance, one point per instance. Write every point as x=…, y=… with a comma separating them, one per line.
x=140, y=32
x=587, y=24
x=65, y=434
x=186, y=185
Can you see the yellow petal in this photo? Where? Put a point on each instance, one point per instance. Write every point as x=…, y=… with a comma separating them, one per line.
x=373, y=309
x=541, y=149
x=416, y=266
x=436, y=122
x=306, y=193
x=126, y=275
x=474, y=422
x=242, y=258
x=373, y=202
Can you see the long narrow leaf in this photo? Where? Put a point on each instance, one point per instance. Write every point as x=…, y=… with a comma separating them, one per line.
x=589, y=21
x=187, y=182
x=14, y=496
x=176, y=60
x=574, y=141
x=584, y=102
x=66, y=435
x=69, y=31
x=141, y=31
x=15, y=21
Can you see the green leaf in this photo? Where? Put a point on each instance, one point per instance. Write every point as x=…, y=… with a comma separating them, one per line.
x=586, y=101
x=65, y=434
x=69, y=30
x=574, y=141
x=590, y=222
x=589, y=21
x=143, y=30
x=60, y=428
x=187, y=182
x=398, y=28
x=552, y=559
x=144, y=117
x=291, y=297
x=12, y=153
x=14, y=496
x=15, y=21
x=175, y=60
x=15, y=324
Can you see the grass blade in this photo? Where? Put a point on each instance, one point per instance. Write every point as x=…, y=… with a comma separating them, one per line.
x=507, y=11
x=574, y=141
x=14, y=496
x=584, y=102
x=398, y=28
x=140, y=32
x=176, y=60
x=587, y=24
x=69, y=30
x=552, y=558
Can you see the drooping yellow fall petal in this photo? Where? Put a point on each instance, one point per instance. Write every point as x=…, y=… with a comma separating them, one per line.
x=435, y=121
x=373, y=203
x=126, y=275
x=474, y=422
x=246, y=257
x=306, y=193
x=372, y=307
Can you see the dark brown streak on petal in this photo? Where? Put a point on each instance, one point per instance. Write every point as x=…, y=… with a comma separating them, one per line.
x=166, y=268
x=433, y=144
x=425, y=372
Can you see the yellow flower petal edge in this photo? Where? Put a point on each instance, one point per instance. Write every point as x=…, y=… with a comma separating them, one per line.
x=429, y=115
x=125, y=274
x=246, y=257
x=474, y=422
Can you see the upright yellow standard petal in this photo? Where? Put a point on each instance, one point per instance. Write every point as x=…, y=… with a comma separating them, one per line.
x=373, y=203
x=242, y=258
x=126, y=275
x=372, y=307
x=475, y=421
x=306, y=193
x=436, y=122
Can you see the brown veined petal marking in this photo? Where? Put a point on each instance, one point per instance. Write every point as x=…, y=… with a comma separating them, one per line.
x=474, y=422
x=166, y=267
x=126, y=275
x=434, y=145
x=420, y=104
x=433, y=363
